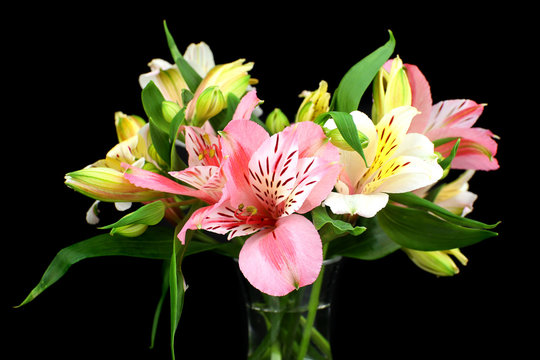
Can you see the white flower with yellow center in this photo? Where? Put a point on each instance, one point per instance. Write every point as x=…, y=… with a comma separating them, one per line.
x=398, y=163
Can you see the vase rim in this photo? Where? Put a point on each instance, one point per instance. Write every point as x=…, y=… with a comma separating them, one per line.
x=332, y=260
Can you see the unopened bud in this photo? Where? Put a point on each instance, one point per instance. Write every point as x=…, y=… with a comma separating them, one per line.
x=169, y=110
x=132, y=230
x=107, y=184
x=209, y=104
x=437, y=262
x=337, y=139
x=276, y=121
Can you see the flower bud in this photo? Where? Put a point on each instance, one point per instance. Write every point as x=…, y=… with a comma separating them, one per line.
x=132, y=230
x=230, y=78
x=337, y=139
x=314, y=103
x=169, y=110
x=390, y=90
x=437, y=262
x=127, y=126
x=209, y=103
x=276, y=121
x=106, y=184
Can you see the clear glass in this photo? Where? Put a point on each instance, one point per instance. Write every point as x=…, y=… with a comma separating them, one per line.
x=276, y=325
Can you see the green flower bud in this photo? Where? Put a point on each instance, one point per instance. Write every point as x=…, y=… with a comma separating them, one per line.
x=169, y=110
x=106, y=184
x=276, y=121
x=132, y=230
x=337, y=139
x=209, y=104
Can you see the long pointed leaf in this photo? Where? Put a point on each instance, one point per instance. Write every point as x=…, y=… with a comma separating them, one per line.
x=420, y=230
x=192, y=78
x=412, y=200
x=153, y=244
x=355, y=82
x=159, y=306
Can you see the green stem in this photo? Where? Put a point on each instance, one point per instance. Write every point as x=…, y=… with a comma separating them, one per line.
x=318, y=339
x=312, y=311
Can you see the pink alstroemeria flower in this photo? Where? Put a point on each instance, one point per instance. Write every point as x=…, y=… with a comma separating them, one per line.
x=204, y=175
x=263, y=181
x=448, y=119
x=269, y=179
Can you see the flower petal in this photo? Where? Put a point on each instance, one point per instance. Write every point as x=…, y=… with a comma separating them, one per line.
x=359, y=204
x=246, y=106
x=421, y=98
x=203, y=147
x=150, y=180
x=476, y=150
x=454, y=113
x=279, y=260
x=240, y=139
x=208, y=179
x=403, y=174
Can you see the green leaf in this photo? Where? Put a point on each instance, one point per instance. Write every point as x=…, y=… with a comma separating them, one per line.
x=159, y=306
x=414, y=201
x=443, y=141
x=345, y=124
x=340, y=227
x=420, y=230
x=160, y=140
x=177, y=291
x=152, y=100
x=192, y=78
x=373, y=244
x=445, y=163
x=149, y=214
x=176, y=161
x=153, y=244
x=355, y=82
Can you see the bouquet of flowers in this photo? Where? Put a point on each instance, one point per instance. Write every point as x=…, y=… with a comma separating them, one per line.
x=289, y=196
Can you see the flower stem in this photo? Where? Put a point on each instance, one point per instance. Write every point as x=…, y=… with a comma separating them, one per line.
x=312, y=311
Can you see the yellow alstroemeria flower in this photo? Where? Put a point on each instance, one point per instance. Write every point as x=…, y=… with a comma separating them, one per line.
x=398, y=163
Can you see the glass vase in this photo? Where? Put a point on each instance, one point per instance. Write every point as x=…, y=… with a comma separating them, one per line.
x=294, y=326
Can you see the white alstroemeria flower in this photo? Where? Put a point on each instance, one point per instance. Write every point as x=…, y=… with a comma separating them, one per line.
x=168, y=78
x=200, y=57
x=398, y=163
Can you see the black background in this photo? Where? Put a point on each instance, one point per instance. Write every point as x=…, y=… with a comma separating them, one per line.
x=70, y=68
